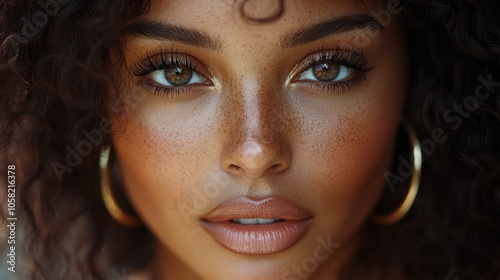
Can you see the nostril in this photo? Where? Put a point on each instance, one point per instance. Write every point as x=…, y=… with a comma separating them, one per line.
x=234, y=167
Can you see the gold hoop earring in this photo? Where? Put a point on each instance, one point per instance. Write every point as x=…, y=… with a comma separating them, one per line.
x=109, y=198
x=405, y=206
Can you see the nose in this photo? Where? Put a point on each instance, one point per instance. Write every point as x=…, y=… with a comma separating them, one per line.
x=254, y=158
x=255, y=144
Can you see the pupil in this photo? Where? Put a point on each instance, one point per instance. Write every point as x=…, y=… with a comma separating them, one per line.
x=178, y=76
x=326, y=71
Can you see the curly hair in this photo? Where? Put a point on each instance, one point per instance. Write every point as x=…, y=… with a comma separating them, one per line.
x=55, y=76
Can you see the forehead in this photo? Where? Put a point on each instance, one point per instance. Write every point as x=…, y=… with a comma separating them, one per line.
x=262, y=16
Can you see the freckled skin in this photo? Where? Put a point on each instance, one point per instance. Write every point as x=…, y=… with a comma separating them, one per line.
x=253, y=133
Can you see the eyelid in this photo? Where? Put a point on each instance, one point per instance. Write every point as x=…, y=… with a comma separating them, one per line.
x=158, y=61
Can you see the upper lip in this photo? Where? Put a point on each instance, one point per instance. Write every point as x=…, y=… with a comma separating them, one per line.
x=247, y=208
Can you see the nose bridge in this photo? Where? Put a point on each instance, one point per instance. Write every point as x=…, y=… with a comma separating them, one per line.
x=259, y=113
x=254, y=143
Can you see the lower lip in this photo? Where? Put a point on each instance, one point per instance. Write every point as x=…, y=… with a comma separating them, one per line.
x=257, y=239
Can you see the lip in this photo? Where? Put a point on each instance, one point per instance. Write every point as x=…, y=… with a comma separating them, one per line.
x=257, y=239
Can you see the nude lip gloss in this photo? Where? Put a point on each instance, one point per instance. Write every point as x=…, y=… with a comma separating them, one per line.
x=257, y=227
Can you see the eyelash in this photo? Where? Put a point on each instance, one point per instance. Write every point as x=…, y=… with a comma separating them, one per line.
x=164, y=59
x=357, y=62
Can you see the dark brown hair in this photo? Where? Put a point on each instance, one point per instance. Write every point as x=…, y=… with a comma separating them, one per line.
x=55, y=79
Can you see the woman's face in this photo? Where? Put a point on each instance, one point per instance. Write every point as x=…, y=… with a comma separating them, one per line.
x=291, y=121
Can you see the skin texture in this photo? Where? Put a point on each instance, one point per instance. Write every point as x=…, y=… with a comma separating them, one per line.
x=253, y=130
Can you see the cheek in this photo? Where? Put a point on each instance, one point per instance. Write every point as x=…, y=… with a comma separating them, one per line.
x=158, y=159
x=347, y=153
x=355, y=156
x=356, y=147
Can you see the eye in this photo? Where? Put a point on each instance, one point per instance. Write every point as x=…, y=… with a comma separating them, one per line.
x=172, y=74
x=332, y=70
x=325, y=71
x=177, y=75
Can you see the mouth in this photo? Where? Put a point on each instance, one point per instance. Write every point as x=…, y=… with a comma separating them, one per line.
x=252, y=227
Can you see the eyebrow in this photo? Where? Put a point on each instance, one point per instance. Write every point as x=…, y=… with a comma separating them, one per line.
x=330, y=27
x=337, y=25
x=159, y=30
